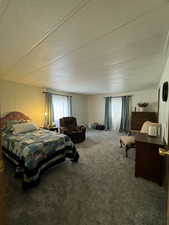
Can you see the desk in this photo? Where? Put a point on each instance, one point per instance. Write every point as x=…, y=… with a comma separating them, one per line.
x=149, y=164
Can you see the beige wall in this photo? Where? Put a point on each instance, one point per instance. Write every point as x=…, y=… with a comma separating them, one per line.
x=79, y=108
x=164, y=106
x=30, y=100
x=87, y=109
x=148, y=95
x=23, y=98
x=96, y=103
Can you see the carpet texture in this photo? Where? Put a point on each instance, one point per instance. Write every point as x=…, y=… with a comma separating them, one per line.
x=99, y=190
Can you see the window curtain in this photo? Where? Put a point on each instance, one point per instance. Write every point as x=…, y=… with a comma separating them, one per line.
x=124, y=125
x=49, y=113
x=108, y=113
x=69, y=99
x=62, y=106
x=116, y=113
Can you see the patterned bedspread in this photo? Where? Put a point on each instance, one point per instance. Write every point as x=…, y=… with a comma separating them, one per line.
x=36, y=147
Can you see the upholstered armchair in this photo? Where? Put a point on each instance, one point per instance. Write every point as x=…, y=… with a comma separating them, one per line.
x=68, y=126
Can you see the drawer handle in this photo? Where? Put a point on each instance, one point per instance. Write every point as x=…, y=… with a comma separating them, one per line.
x=163, y=152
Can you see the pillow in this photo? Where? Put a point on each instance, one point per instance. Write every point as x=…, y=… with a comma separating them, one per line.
x=10, y=123
x=24, y=127
x=145, y=126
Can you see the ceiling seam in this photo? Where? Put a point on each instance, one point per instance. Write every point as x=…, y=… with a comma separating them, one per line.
x=127, y=45
x=129, y=60
x=4, y=8
x=123, y=62
x=96, y=39
x=62, y=21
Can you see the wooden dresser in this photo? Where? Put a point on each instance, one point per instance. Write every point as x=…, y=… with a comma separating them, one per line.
x=1, y=159
x=138, y=118
x=149, y=164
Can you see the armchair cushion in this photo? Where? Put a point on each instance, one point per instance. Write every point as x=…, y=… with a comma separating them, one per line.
x=127, y=140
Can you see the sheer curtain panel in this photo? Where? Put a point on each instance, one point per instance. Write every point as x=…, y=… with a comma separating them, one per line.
x=116, y=113
x=61, y=107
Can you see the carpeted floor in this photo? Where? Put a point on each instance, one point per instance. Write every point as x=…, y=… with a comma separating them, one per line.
x=99, y=190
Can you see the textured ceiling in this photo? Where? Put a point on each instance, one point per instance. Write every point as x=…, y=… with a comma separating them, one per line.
x=87, y=46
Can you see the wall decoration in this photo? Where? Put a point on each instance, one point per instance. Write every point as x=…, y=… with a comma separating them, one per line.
x=165, y=91
x=142, y=106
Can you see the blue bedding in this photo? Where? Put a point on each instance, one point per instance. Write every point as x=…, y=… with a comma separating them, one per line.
x=34, y=150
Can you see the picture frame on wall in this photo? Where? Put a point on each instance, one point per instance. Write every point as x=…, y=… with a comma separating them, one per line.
x=165, y=91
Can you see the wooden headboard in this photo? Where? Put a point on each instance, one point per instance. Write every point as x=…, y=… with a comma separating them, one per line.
x=12, y=116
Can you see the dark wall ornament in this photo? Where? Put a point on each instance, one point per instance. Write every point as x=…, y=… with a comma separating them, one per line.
x=165, y=91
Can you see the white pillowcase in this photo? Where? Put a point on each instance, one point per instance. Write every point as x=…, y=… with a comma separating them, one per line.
x=147, y=124
x=24, y=127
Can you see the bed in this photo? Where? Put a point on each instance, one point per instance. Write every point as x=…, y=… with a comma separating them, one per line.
x=32, y=151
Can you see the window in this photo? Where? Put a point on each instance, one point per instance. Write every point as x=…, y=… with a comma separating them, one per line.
x=116, y=113
x=61, y=107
